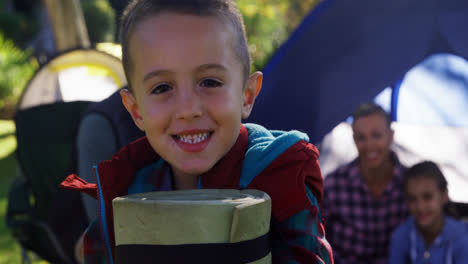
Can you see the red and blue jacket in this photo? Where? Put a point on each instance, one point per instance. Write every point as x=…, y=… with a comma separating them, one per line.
x=282, y=164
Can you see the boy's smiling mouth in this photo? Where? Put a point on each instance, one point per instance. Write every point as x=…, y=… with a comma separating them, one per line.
x=193, y=140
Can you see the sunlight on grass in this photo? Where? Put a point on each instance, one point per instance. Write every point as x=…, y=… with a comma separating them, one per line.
x=7, y=138
x=9, y=249
x=7, y=126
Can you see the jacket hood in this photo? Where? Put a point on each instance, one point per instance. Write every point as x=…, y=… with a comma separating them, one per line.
x=264, y=147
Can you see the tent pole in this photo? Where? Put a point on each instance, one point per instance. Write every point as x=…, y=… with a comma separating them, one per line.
x=394, y=100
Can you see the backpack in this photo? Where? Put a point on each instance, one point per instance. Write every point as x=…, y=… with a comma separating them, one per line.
x=43, y=218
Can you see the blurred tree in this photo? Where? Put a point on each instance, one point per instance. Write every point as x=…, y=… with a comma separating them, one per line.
x=17, y=67
x=119, y=7
x=296, y=12
x=18, y=20
x=100, y=20
x=269, y=23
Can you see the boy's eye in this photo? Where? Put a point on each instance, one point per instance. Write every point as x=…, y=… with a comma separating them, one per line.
x=210, y=83
x=161, y=88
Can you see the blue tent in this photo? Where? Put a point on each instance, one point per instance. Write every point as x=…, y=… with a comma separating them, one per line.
x=346, y=52
x=408, y=56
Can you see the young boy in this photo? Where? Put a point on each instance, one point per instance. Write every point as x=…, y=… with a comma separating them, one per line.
x=188, y=65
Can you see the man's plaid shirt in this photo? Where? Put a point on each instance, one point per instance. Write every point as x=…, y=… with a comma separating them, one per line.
x=357, y=225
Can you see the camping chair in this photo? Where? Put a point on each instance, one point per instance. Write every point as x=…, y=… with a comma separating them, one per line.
x=42, y=217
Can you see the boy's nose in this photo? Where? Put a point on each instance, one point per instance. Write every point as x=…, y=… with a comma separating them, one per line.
x=188, y=106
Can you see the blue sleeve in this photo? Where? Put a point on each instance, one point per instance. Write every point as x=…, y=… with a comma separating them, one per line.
x=460, y=250
x=399, y=246
x=303, y=235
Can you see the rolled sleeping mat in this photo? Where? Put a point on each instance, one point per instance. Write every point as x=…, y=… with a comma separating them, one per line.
x=193, y=226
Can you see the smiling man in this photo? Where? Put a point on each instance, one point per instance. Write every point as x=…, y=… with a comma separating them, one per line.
x=364, y=200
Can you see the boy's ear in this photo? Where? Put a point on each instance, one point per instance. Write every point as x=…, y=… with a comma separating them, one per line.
x=252, y=89
x=130, y=104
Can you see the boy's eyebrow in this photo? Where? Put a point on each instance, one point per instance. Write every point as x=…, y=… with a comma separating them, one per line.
x=203, y=67
x=151, y=74
x=210, y=66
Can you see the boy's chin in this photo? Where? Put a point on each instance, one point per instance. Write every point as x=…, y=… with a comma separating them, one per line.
x=191, y=171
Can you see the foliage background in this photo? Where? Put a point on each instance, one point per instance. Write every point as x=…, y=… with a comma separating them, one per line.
x=100, y=20
x=16, y=67
x=268, y=24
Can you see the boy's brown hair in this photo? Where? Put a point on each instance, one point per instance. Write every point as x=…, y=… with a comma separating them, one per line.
x=225, y=10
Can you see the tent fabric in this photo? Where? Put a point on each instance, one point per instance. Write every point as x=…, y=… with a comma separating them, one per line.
x=435, y=93
x=346, y=52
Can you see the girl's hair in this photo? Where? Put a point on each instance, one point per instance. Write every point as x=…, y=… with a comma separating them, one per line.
x=428, y=169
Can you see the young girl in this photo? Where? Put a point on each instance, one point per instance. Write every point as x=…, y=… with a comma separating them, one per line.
x=429, y=235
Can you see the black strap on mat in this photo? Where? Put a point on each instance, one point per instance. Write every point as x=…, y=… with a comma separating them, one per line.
x=228, y=253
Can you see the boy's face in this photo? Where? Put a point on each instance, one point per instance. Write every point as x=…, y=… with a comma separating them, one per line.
x=188, y=91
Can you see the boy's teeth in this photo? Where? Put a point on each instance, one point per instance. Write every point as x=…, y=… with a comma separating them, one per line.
x=193, y=139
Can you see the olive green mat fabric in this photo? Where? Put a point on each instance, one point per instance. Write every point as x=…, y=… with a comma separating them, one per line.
x=192, y=217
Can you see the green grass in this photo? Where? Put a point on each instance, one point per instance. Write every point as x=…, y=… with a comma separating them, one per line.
x=10, y=251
